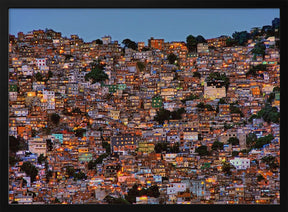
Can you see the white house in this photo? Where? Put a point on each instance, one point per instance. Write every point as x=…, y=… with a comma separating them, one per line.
x=174, y=188
x=240, y=163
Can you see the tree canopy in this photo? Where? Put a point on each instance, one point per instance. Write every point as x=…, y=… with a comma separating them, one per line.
x=191, y=42
x=253, y=71
x=30, y=170
x=270, y=161
x=251, y=139
x=241, y=38
x=214, y=76
x=39, y=77
x=263, y=141
x=200, y=39
x=233, y=141
x=41, y=158
x=235, y=109
x=189, y=98
x=203, y=106
x=227, y=167
x=96, y=75
x=14, y=144
x=217, y=145
x=269, y=114
x=137, y=191
x=140, y=66
x=164, y=114
x=130, y=44
x=98, y=41
x=116, y=201
x=259, y=49
x=55, y=118
x=172, y=58
x=202, y=150
x=164, y=147
x=197, y=74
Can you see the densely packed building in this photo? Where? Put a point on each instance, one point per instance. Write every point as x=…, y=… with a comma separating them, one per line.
x=170, y=130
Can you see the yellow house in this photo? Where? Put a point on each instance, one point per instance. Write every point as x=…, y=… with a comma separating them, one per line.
x=114, y=114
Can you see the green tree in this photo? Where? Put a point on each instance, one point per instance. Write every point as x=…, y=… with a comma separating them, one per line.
x=153, y=191
x=200, y=39
x=140, y=66
x=130, y=44
x=230, y=42
x=263, y=141
x=161, y=147
x=76, y=110
x=100, y=158
x=269, y=114
x=227, y=167
x=70, y=171
x=98, y=41
x=49, y=174
x=270, y=161
x=233, y=141
x=217, y=76
x=222, y=101
x=174, y=148
x=116, y=201
x=202, y=150
x=259, y=49
x=235, y=109
x=57, y=201
x=162, y=115
x=252, y=117
x=55, y=118
x=49, y=145
x=189, y=98
x=241, y=38
x=41, y=158
x=254, y=70
x=39, y=77
x=12, y=160
x=79, y=175
x=96, y=75
x=260, y=177
x=177, y=114
x=68, y=57
x=267, y=30
x=202, y=106
x=217, y=145
x=30, y=170
x=79, y=132
x=132, y=194
x=251, y=139
x=227, y=126
x=107, y=146
x=276, y=89
x=14, y=144
x=197, y=74
x=276, y=23
x=91, y=164
x=172, y=58
x=235, y=153
x=191, y=43
x=50, y=74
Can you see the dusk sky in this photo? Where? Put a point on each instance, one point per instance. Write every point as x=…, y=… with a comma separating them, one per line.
x=140, y=24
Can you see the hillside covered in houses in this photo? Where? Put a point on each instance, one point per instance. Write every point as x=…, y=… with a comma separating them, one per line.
x=109, y=122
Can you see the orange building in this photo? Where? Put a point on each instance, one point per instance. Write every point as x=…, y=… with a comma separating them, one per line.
x=156, y=43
